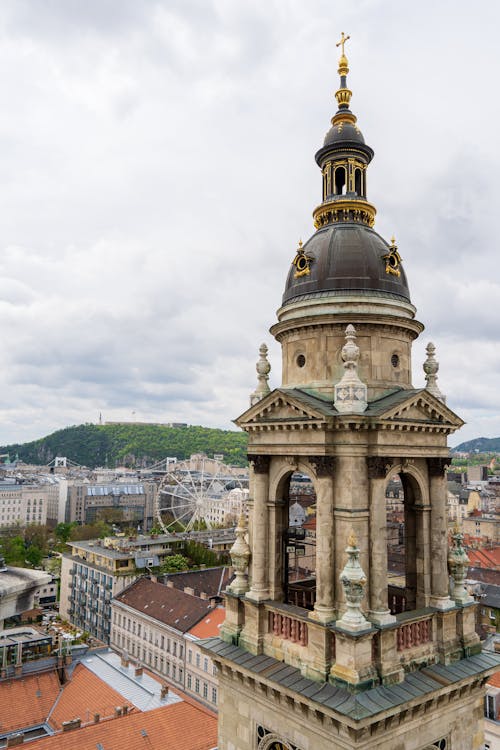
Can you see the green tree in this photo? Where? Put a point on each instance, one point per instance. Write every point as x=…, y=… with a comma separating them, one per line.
x=34, y=556
x=63, y=532
x=174, y=564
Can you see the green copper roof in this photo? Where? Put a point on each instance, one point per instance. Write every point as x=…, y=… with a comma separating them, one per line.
x=362, y=705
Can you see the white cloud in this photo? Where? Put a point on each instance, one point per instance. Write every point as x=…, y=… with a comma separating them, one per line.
x=157, y=172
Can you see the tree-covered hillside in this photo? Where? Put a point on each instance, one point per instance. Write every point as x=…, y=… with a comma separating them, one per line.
x=479, y=445
x=136, y=445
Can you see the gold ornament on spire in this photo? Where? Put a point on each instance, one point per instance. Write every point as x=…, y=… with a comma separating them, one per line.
x=343, y=69
x=352, y=540
x=343, y=95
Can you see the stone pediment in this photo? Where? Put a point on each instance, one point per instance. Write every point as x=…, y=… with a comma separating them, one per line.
x=417, y=406
x=281, y=406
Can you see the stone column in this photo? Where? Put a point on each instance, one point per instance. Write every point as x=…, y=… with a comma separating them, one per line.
x=440, y=598
x=324, y=607
x=379, y=611
x=259, y=590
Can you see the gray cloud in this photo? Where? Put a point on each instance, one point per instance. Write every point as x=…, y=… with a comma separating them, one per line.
x=157, y=173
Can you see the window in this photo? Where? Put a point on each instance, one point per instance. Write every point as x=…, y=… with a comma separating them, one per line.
x=181, y=650
x=198, y=660
x=489, y=707
x=214, y=695
x=139, y=629
x=163, y=641
x=189, y=681
x=190, y=656
x=214, y=670
x=196, y=685
x=205, y=665
x=174, y=671
x=205, y=690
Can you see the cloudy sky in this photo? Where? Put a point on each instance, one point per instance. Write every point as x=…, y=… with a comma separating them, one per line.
x=157, y=170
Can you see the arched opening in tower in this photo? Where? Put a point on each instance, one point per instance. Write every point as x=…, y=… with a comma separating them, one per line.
x=299, y=542
x=405, y=578
x=358, y=182
x=340, y=181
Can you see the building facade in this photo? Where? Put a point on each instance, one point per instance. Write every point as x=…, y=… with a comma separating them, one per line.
x=345, y=671
x=127, y=503
x=158, y=627
x=24, y=504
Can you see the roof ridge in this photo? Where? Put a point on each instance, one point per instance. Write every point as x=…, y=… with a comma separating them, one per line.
x=61, y=691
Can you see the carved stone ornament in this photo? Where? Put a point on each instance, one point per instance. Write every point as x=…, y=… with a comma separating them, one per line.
x=378, y=466
x=350, y=393
x=263, y=369
x=431, y=368
x=458, y=564
x=240, y=556
x=260, y=463
x=437, y=466
x=323, y=465
x=353, y=582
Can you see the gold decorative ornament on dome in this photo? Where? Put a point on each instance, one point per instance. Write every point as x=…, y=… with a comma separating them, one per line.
x=302, y=262
x=392, y=259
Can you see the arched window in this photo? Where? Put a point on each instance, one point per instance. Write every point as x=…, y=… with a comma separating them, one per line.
x=358, y=182
x=340, y=181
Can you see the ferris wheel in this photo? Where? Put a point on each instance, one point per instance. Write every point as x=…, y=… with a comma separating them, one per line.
x=199, y=493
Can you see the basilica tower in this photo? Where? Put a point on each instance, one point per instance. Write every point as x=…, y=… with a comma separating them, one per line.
x=332, y=654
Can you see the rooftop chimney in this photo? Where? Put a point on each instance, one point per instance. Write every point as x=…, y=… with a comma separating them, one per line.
x=164, y=692
x=138, y=670
x=73, y=724
x=15, y=739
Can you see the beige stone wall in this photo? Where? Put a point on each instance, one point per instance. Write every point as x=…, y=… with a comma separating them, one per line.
x=246, y=706
x=322, y=345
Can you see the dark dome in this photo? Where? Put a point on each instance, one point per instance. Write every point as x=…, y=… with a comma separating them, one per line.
x=346, y=258
x=343, y=132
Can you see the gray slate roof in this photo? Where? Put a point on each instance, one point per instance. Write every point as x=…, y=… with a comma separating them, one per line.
x=360, y=705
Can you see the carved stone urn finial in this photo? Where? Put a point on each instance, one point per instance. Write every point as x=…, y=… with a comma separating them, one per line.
x=353, y=581
x=240, y=557
x=431, y=368
x=350, y=392
x=458, y=564
x=263, y=369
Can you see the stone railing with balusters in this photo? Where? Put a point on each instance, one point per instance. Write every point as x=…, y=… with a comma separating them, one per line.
x=414, y=634
x=289, y=628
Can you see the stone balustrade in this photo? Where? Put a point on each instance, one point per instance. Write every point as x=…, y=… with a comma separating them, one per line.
x=413, y=634
x=289, y=628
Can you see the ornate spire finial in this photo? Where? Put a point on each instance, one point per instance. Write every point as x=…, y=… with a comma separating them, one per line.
x=431, y=368
x=263, y=369
x=343, y=95
x=352, y=539
x=350, y=392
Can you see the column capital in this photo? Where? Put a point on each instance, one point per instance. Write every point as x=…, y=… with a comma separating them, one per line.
x=323, y=465
x=378, y=466
x=259, y=462
x=437, y=466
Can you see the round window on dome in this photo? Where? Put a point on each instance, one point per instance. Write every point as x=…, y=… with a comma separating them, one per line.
x=301, y=360
x=395, y=360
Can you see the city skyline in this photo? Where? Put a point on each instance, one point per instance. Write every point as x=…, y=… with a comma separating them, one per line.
x=158, y=173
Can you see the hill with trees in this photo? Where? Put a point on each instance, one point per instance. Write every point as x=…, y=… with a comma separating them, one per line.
x=479, y=445
x=133, y=445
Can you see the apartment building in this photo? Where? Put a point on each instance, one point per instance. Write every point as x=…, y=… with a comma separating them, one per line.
x=94, y=571
x=149, y=624
x=132, y=502
x=24, y=504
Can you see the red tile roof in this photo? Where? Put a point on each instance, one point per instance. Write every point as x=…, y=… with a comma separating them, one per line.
x=180, y=726
x=83, y=696
x=494, y=680
x=210, y=626
x=175, y=608
x=26, y=701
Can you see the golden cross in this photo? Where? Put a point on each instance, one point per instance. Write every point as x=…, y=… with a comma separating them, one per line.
x=342, y=42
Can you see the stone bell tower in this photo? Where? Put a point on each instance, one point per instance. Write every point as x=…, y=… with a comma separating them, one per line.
x=334, y=655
